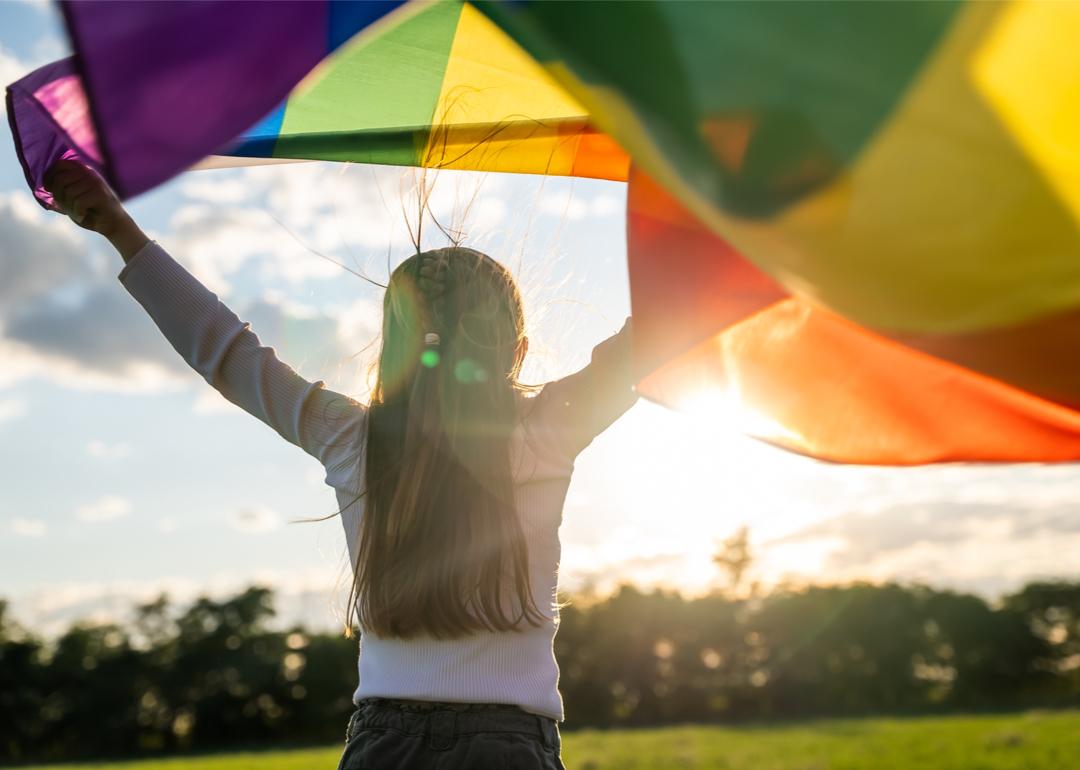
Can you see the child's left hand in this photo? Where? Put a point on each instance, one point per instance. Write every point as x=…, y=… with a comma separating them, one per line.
x=88, y=200
x=85, y=197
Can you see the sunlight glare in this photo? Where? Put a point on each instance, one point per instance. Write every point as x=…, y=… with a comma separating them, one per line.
x=727, y=408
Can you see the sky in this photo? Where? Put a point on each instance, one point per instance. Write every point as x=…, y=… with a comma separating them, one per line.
x=122, y=474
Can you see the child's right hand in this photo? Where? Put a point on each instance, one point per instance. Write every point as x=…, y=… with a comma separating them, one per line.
x=88, y=200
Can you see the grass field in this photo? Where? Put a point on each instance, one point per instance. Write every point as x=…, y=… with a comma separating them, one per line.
x=1033, y=741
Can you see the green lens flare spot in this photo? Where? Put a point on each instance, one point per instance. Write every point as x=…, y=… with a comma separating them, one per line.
x=430, y=358
x=466, y=371
x=463, y=370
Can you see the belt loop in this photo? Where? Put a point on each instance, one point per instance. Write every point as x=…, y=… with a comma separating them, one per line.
x=548, y=732
x=443, y=725
x=351, y=727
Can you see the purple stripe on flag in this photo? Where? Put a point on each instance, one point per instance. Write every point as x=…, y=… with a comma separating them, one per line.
x=155, y=87
x=171, y=82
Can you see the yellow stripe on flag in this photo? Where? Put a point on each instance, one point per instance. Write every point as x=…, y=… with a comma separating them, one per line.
x=952, y=219
x=1028, y=70
x=500, y=111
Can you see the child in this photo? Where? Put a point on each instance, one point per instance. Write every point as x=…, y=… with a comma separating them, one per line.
x=451, y=485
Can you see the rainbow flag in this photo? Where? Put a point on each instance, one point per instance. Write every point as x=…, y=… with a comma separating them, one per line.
x=857, y=221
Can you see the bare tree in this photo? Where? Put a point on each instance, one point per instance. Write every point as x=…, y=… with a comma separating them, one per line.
x=734, y=557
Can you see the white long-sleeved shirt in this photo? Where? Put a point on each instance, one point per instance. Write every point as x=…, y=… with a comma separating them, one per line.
x=515, y=667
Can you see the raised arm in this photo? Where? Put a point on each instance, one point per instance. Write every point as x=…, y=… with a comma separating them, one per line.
x=209, y=336
x=569, y=413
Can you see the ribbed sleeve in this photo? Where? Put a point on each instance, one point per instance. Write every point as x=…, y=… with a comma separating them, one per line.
x=229, y=356
x=569, y=413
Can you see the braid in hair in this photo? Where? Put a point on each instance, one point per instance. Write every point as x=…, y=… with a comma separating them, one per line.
x=431, y=279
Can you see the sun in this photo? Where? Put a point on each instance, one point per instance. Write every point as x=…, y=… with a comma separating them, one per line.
x=662, y=488
x=728, y=410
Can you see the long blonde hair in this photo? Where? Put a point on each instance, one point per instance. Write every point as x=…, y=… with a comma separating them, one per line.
x=441, y=550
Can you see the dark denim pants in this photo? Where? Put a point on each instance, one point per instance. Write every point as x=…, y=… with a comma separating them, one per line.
x=386, y=734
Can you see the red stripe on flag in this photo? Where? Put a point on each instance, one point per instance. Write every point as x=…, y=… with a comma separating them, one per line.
x=706, y=321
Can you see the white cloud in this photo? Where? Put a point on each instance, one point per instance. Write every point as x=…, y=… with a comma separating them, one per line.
x=333, y=346
x=255, y=519
x=62, y=315
x=11, y=69
x=487, y=213
x=311, y=596
x=28, y=527
x=23, y=361
x=572, y=205
x=11, y=409
x=41, y=5
x=64, y=318
x=333, y=206
x=607, y=205
x=215, y=242
x=359, y=323
x=103, y=333
x=602, y=567
x=211, y=402
x=104, y=509
x=563, y=205
x=304, y=221
x=40, y=253
x=215, y=188
x=105, y=451
x=348, y=367
x=49, y=49
x=988, y=547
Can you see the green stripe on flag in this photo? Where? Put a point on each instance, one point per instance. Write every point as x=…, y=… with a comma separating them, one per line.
x=376, y=100
x=752, y=104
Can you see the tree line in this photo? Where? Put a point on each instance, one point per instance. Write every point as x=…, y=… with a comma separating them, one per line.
x=217, y=675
